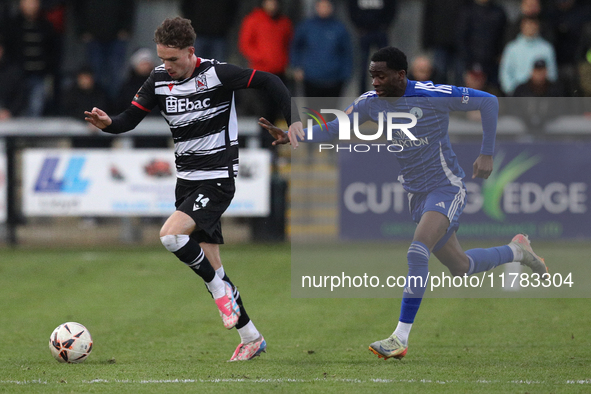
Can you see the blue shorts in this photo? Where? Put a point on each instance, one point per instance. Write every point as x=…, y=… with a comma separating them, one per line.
x=449, y=200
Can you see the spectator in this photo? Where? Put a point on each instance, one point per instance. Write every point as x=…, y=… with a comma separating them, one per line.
x=529, y=9
x=264, y=40
x=439, y=36
x=568, y=18
x=83, y=94
x=538, y=110
x=212, y=20
x=31, y=42
x=13, y=97
x=539, y=84
x=55, y=12
x=422, y=69
x=371, y=20
x=520, y=54
x=481, y=29
x=475, y=78
x=142, y=63
x=105, y=26
x=321, y=53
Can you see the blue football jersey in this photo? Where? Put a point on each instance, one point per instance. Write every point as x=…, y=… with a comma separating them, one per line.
x=428, y=162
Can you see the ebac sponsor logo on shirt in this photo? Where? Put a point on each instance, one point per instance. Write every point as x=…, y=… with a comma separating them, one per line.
x=176, y=105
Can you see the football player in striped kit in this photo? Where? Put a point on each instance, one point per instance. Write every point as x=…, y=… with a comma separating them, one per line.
x=196, y=98
x=431, y=175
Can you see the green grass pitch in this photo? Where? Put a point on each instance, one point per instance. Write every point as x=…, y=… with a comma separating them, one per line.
x=156, y=329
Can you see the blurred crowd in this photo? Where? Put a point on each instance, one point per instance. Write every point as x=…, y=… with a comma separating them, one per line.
x=544, y=52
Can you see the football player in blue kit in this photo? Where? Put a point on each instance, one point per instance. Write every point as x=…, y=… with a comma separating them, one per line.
x=431, y=175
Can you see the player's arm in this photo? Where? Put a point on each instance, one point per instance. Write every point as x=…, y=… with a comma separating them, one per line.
x=466, y=99
x=125, y=121
x=285, y=137
x=234, y=77
x=144, y=99
x=318, y=133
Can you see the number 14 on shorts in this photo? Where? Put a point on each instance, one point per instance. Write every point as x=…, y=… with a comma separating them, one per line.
x=200, y=202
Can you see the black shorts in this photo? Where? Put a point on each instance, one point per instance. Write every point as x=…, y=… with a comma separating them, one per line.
x=205, y=202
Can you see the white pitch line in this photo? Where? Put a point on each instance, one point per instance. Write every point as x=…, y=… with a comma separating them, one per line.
x=289, y=380
x=35, y=381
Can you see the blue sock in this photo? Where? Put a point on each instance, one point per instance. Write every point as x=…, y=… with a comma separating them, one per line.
x=482, y=260
x=418, y=267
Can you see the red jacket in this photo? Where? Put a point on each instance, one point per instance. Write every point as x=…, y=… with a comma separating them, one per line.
x=265, y=41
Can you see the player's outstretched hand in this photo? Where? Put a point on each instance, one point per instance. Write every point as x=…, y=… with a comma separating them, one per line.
x=296, y=130
x=483, y=167
x=98, y=118
x=279, y=135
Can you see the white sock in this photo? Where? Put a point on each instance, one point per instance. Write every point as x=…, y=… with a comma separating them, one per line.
x=517, y=253
x=402, y=331
x=220, y=272
x=248, y=333
x=217, y=287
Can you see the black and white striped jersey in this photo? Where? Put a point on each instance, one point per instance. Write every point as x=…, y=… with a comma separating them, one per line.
x=201, y=114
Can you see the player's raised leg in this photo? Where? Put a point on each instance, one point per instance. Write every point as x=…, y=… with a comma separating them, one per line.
x=252, y=343
x=175, y=238
x=478, y=260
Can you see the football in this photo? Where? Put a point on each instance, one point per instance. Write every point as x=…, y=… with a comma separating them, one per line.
x=70, y=343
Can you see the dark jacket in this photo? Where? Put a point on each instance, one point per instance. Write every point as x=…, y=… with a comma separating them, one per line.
x=481, y=30
x=32, y=45
x=75, y=101
x=323, y=49
x=550, y=89
x=104, y=19
x=210, y=18
x=13, y=94
x=374, y=18
x=567, y=28
x=440, y=18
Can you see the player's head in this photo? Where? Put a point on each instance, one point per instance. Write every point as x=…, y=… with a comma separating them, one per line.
x=388, y=69
x=395, y=59
x=175, y=33
x=174, y=40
